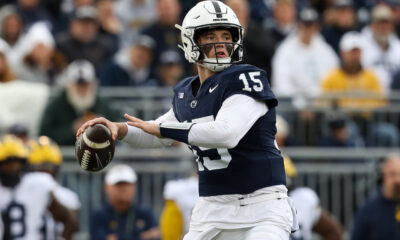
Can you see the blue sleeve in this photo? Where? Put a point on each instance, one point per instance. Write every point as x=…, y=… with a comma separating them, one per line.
x=251, y=81
x=361, y=225
x=97, y=226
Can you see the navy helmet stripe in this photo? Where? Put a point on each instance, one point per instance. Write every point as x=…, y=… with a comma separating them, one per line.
x=217, y=9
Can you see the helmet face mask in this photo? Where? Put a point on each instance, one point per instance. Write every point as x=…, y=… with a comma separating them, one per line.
x=211, y=49
x=208, y=16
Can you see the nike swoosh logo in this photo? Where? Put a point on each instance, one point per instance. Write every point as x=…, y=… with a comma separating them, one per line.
x=98, y=161
x=213, y=88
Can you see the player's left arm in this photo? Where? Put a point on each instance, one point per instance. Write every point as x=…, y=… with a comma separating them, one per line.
x=62, y=214
x=328, y=226
x=245, y=98
x=236, y=116
x=137, y=137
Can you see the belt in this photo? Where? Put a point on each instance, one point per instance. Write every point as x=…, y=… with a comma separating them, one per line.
x=261, y=198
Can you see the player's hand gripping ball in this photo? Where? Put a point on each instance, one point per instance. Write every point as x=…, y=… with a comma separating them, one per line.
x=94, y=149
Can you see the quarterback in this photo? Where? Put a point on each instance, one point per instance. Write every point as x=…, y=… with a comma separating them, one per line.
x=226, y=116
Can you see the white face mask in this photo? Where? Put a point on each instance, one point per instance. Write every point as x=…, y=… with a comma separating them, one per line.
x=81, y=103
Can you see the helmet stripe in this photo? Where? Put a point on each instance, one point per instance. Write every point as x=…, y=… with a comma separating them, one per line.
x=217, y=9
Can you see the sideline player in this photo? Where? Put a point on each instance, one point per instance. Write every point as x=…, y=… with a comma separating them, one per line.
x=226, y=115
x=180, y=197
x=26, y=197
x=45, y=156
x=312, y=217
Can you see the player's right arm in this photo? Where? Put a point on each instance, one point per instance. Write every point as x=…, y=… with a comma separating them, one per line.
x=328, y=227
x=63, y=215
x=132, y=135
x=312, y=214
x=138, y=138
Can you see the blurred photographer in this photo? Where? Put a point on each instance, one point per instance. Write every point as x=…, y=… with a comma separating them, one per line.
x=121, y=218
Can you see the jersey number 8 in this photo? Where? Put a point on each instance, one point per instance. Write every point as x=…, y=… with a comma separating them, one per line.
x=14, y=220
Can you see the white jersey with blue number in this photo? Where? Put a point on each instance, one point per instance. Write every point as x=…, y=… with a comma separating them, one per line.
x=306, y=202
x=67, y=198
x=24, y=206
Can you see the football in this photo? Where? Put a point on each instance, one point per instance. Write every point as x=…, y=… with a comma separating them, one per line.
x=94, y=149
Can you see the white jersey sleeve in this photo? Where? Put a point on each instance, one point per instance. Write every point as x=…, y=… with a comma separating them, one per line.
x=308, y=208
x=225, y=132
x=67, y=198
x=136, y=137
x=227, y=129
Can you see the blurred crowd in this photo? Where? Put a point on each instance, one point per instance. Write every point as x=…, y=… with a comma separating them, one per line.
x=56, y=54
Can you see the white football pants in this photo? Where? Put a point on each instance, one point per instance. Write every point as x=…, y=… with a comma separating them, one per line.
x=266, y=232
x=261, y=217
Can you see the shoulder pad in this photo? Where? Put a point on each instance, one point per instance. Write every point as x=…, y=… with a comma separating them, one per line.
x=183, y=83
x=44, y=180
x=67, y=197
x=248, y=80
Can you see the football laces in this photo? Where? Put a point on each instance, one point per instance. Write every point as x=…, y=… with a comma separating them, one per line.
x=85, y=159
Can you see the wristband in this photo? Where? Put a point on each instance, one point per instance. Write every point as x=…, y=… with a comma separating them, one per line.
x=176, y=130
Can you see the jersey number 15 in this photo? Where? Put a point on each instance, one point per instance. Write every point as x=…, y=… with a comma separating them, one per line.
x=257, y=85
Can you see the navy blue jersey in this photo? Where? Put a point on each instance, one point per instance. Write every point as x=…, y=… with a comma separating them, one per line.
x=255, y=162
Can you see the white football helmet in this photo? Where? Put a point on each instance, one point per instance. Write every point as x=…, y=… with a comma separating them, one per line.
x=206, y=15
